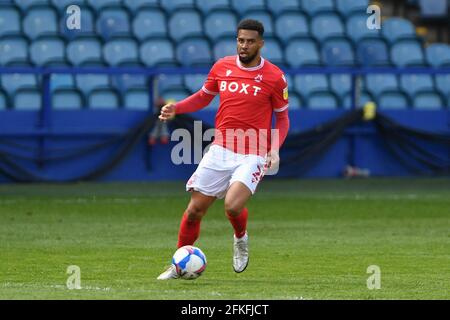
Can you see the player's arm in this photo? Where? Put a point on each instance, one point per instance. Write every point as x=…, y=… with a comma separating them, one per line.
x=280, y=105
x=195, y=102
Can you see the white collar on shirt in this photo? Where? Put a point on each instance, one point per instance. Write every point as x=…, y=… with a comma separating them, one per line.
x=261, y=64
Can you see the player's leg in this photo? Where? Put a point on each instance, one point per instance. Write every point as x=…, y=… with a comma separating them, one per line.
x=192, y=217
x=189, y=227
x=237, y=196
x=243, y=184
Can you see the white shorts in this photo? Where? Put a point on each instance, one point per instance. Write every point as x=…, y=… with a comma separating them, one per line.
x=220, y=167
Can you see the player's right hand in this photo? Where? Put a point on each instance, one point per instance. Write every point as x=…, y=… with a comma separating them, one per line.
x=167, y=112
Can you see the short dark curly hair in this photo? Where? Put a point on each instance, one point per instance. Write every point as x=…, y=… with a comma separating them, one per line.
x=250, y=24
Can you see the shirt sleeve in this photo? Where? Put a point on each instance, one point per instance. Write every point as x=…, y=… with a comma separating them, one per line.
x=280, y=101
x=210, y=86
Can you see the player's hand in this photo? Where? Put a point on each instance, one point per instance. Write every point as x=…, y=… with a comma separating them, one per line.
x=167, y=112
x=273, y=160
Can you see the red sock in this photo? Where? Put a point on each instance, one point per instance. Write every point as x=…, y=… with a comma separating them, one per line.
x=189, y=231
x=239, y=223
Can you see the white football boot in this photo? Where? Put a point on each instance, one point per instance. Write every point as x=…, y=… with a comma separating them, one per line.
x=170, y=273
x=240, y=253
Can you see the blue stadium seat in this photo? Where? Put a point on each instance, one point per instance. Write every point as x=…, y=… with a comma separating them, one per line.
x=244, y=6
x=149, y=23
x=3, y=101
x=121, y=52
x=224, y=47
x=326, y=25
x=87, y=26
x=194, y=82
x=99, y=5
x=13, y=82
x=302, y=52
x=448, y=101
x=25, y=5
x=206, y=6
x=125, y=82
x=290, y=80
x=220, y=24
x=27, y=99
x=295, y=102
x=322, y=101
x=313, y=7
x=338, y=52
x=176, y=95
x=364, y=97
x=103, y=99
x=194, y=52
x=434, y=9
x=61, y=81
x=48, y=52
x=157, y=52
x=86, y=83
x=407, y=53
x=378, y=83
x=277, y=7
x=395, y=29
x=84, y=51
x=40, y=21
x=347, y=7
x=443, y=84
x=136, y=99
x=357, y=30
x=290, y=25
x=136, y=5
x=13, y=50
x=265, y=18
x=438, y=54
x=172, y=6
x=67, y=99
x=170, y=82
x=9, y=22
x=113, y=23
x=306, y=84
x=341, y=84
x=62, y=5
x=185, y=23
x=372, y=52
x=392, y=100
x=414, y=83
x=273, y=52
x=427, y=101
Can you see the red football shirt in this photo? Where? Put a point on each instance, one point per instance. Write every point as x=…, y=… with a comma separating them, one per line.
x=248, y=98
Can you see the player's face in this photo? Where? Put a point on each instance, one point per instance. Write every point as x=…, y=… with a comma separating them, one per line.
x=248, y=45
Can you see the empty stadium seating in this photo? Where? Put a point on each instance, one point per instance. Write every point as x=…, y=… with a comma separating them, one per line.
x=190, y=33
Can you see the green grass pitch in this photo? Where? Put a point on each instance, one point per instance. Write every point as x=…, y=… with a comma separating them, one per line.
x=309, y=239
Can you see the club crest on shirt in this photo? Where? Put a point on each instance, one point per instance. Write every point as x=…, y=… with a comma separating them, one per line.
x=259, y=78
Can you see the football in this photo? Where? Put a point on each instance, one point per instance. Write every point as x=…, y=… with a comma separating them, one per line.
x=190, y=262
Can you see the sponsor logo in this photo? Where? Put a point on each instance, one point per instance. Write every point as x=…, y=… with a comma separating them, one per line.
x=239, y=88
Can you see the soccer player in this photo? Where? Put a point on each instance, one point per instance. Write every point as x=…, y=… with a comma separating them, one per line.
x=251, y=90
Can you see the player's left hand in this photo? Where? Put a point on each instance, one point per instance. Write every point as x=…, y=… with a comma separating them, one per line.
x=273, y=160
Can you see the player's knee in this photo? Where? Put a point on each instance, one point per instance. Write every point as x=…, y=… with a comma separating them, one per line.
x=195, y=212
x=232, y=209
